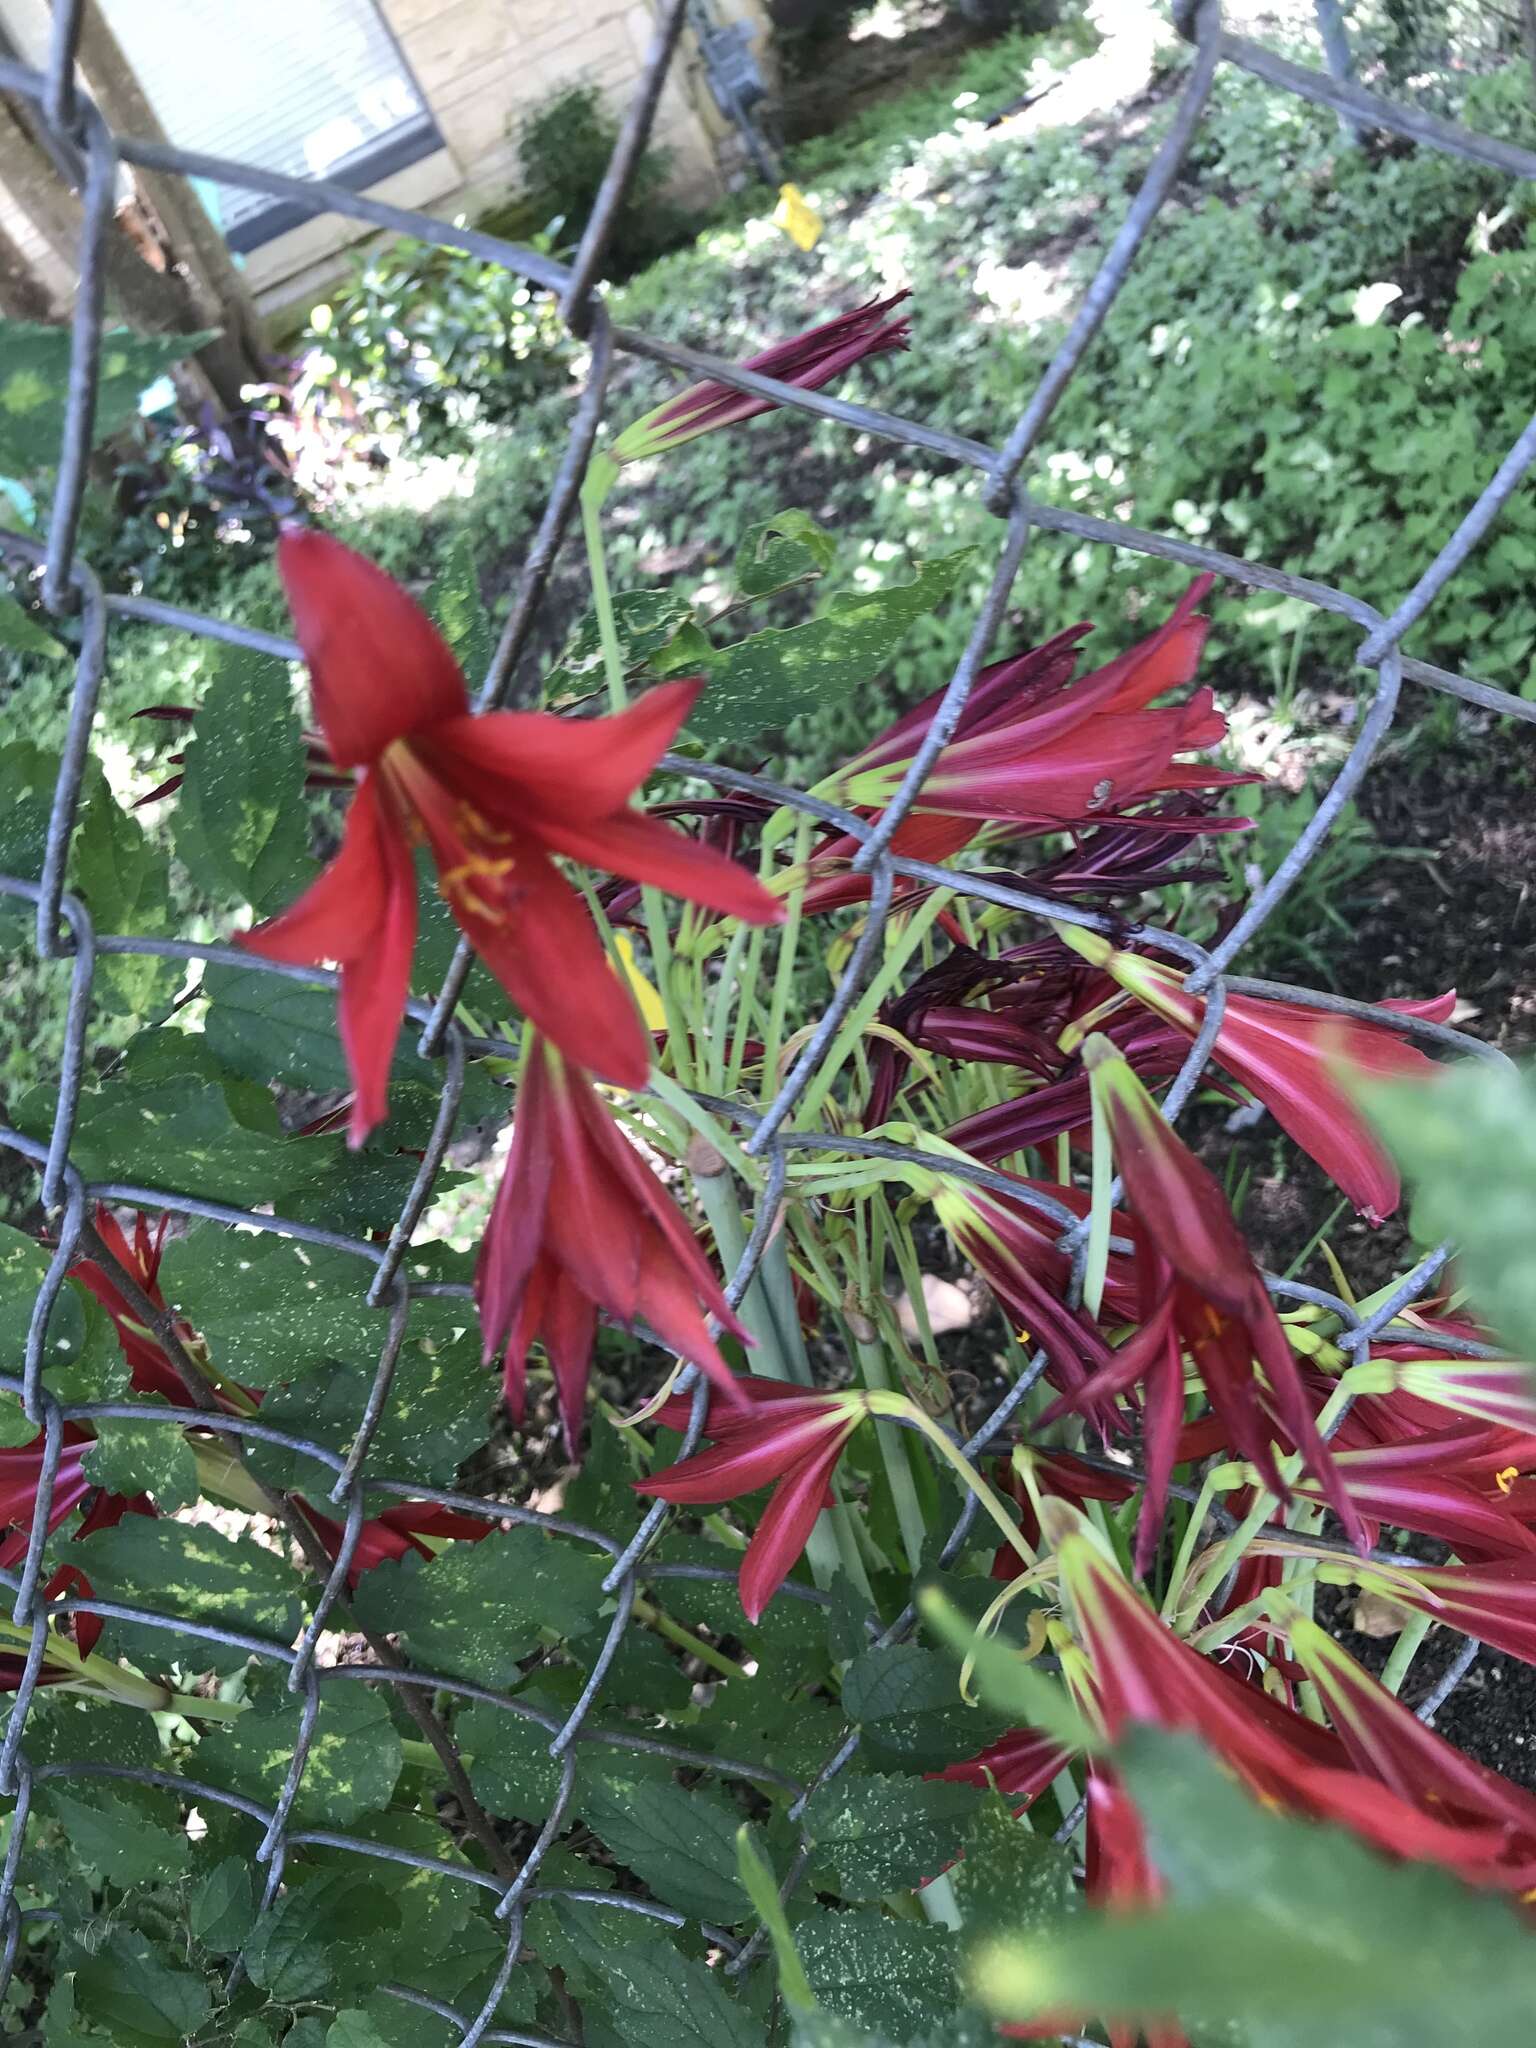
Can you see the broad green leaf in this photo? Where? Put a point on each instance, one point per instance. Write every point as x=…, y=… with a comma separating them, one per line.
x=476, y=1609
x=894, y=1976
x=825, y=2030
x=131, y=1833
x=510, y=1768
x=353, y=1764
x=658, y=1995
x=192, y=1572
x=1466, y=1142
x=885, y=1834
x=122, y=878
x=1009, y=1879
x=23, y=1266
x=170, y=1116
x=459, y=612
x=222, y=1909
x=760, y=683
x=23, y=633
x=270, y=1308
x=331, y=1930
x=681, y=1845
x=647, y=621
x=34, y=377
x=1293, y=1932
x=265, y=1028
x=1006, y=1680
x=788, y=548
x=437, y=1413
x=354, y=2029
x=240, y=821
x=130, y=1987
x=144, y=1457
x=907, y=1699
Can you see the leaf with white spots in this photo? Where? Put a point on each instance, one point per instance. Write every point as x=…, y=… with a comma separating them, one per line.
x=240, y=822
x=191, y=1572
x=475, y=1610
x=885, y=1834
x=354, y=1760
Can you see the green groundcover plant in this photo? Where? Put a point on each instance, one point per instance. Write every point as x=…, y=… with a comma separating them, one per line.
x=909, y=1734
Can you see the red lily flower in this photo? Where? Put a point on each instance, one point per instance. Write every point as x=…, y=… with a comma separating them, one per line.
x=415, y=1525
x=807, y=360
x=1497, y=1390
x=1493, y=1599
x=1013, y=1246
x=20, y=1473
x=495, y=798
x=151, y=1370
x=1142, y=1672
x=1288, y=1057
x=580, y=1222
x=773, y=1432
x=1386, y=1487
x=1047, y=754
x=1394, y=1746
x=1217, y=1302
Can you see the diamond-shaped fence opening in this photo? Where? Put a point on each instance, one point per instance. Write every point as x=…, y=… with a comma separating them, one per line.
x=64, y=932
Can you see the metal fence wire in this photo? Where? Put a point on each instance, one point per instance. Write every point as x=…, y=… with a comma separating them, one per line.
x=64, y=931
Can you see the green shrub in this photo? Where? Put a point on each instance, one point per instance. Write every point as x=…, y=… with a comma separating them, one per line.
x=563, y=147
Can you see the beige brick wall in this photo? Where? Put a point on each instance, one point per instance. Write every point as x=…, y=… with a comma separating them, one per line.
x=481, y=65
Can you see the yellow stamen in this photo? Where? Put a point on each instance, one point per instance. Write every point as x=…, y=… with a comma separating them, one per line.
x=1505, y=1480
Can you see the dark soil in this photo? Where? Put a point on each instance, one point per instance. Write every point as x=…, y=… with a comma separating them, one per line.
x=830, y=80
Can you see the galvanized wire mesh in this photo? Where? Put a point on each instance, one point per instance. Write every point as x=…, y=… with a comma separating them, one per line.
x=64, y=931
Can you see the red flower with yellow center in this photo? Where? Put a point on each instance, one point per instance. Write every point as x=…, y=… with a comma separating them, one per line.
x=497, y=800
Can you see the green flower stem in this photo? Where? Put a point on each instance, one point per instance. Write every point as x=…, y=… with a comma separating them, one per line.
x=870, y=1353
x=784, y=965
x=828, y=1548
x=684, y=1639
x=1404, y=1650
x=857, y=1021
x=899, y=1407
x=1214, y=1482
x=600, y=478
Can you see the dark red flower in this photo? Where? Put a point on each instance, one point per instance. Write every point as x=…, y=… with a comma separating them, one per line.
x=774, y=1433
x=581, y=1223
x=807, y=360
x=496, y=799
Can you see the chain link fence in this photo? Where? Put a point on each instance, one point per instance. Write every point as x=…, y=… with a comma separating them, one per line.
x=64, y=932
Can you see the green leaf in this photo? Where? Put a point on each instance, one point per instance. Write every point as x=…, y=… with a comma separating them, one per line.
x=886, y=1834
x=456, y=606
x=265, y=1028
x=1466, y=1142
x=122, y=878
x=788, y=548
x=271, y=1308
x=354, y=2029
x=23, y=1266
x=222, y=1910
x=323, y=1932
x=130, y=1988
x=130, y=1833
x=144, y=1457
x=647, y=620
x=825, y=2030
x=437, y=1413
x=907, y=1700
x=660, y=1996
x=681, y=1845
x=511, y=1771
x=476, y=1609
x=1291, y=1931
x=190, y=1571
x=760, y=683
x=890, y=1975
x=762, y=1888
x=1010, y=1880
x=240, y=821
x=353, y=1764
x=34, y=378
x=23, y=633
